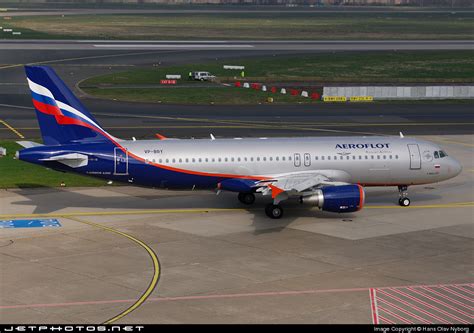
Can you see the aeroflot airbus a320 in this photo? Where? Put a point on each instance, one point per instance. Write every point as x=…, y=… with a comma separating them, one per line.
x=326, y=172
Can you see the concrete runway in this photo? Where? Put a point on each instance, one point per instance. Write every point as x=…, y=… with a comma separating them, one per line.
x=215, y=261
x=280, y=45
x=134, y=255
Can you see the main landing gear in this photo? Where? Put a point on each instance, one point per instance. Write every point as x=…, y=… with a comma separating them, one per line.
x=246, y=198
x=403, y=201
x=274, y=211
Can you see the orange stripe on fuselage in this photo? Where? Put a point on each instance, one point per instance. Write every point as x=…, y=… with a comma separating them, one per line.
x=361, y=197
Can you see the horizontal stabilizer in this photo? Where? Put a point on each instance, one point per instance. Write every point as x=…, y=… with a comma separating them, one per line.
x=29, y=144
x=73, y=160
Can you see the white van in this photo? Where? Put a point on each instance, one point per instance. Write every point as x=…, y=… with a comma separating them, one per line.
x=203, y=76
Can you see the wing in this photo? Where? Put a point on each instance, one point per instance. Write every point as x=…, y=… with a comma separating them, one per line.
x=302, y=183
x=330, y=190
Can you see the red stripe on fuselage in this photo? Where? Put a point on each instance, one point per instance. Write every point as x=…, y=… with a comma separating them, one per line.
x=46, y=108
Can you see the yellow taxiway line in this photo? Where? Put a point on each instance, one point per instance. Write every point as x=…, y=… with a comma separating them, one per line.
x=123, y=212
x=4, y=123
x=151, y=253
x=211, y=210
x=448, y=205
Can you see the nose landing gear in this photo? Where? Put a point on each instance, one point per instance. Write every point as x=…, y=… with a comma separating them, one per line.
x=403, y=201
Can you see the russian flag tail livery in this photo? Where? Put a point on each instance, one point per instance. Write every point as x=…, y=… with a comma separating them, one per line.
x=62, y=117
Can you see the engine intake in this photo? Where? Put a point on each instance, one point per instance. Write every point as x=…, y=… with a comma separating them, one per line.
x=337, y=199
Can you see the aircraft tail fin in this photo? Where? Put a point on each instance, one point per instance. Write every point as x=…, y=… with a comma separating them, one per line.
x=62, y=118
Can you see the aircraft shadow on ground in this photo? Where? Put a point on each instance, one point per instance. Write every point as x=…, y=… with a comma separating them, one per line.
x=51, y=199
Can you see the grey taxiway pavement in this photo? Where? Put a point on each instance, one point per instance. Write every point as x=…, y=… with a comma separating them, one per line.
x=134, y=255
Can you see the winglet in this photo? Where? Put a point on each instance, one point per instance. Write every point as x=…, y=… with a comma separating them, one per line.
x=212, y=137
x=401, y=135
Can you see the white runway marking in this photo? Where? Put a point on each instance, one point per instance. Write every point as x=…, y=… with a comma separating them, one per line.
x=167, y=46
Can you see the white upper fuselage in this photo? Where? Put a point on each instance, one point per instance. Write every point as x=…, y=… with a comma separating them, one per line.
x=363, y=160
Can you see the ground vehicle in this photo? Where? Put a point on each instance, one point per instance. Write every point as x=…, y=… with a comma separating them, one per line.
x=203, y=76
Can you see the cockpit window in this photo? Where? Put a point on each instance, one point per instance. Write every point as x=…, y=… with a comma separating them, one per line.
x=436, y=154
x=442, y=154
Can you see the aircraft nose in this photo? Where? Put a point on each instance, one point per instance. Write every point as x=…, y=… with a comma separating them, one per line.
x=456, y=167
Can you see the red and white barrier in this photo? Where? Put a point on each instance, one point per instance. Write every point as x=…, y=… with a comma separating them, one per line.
x=283, y=91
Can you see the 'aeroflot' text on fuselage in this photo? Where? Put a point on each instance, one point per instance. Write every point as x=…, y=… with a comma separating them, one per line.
x=362, y=145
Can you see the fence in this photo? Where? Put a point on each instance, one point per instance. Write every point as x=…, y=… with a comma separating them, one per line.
x=403, y=92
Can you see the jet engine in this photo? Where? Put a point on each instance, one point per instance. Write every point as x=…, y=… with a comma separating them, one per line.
x=337, y=199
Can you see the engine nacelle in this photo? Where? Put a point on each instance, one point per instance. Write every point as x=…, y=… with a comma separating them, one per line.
x=337, y=199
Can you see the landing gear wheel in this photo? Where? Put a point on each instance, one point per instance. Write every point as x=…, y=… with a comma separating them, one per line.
x=403, y=193
x=274, y=211
x=404, y=202
x=246, y=198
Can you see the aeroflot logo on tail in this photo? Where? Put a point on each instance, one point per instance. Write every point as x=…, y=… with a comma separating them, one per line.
x=362, y=145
